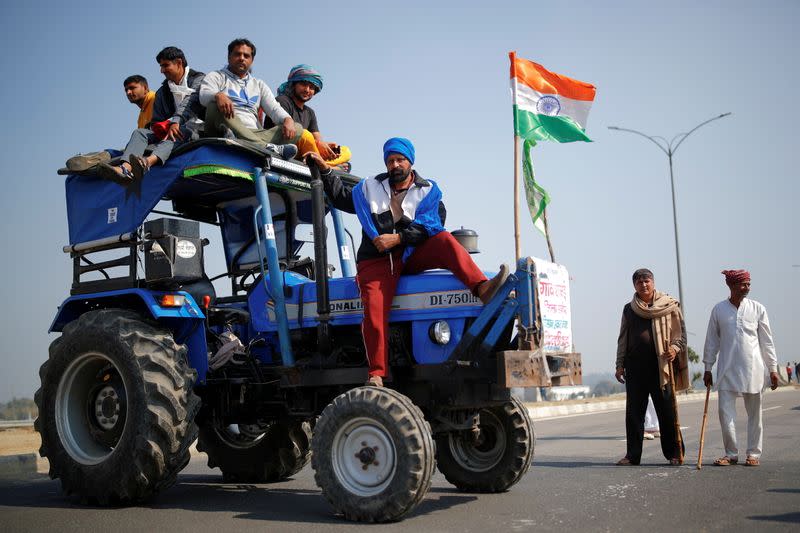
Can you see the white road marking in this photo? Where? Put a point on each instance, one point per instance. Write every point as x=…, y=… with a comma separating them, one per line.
x=770, y=408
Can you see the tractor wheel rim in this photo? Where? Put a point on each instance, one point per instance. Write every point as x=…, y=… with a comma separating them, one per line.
x=484, y=455
x=79, y=405
x=364, y=457
x=241, y=436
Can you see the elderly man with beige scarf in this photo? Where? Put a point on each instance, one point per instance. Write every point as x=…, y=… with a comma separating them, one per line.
x=652, y=361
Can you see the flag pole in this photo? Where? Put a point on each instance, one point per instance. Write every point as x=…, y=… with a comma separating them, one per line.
x=513, y=57
x=516, y=198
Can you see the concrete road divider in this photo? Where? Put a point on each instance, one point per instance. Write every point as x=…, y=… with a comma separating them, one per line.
x=20, y=466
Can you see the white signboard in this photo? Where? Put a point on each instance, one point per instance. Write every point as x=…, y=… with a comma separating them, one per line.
x=552, y=289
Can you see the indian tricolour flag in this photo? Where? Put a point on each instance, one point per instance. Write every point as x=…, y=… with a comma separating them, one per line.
x=548, y=106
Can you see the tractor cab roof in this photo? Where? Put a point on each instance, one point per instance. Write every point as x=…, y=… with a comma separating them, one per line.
x=200, y=178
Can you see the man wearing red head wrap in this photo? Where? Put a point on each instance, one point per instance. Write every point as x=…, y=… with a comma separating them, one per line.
x=739, y=332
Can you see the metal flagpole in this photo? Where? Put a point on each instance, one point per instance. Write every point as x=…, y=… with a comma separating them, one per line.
x=516, y=197
x=513, y=57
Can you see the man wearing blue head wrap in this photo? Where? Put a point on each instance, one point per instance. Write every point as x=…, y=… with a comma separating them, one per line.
x=293, y=95
x=399, y=145
x=402, y=221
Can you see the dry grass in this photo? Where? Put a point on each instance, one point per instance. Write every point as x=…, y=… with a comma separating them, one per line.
x=19, y=440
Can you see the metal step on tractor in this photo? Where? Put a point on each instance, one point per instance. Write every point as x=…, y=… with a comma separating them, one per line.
x=271, y=376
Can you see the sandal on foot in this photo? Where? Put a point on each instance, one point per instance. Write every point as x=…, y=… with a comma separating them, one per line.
x=374, y=381
x=675, y=461
x=726, y=461
x=108, y=172
x=625, y=462
x=139, y=167
x=752, y=461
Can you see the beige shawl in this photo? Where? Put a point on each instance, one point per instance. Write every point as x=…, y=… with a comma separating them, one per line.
x=668, y=330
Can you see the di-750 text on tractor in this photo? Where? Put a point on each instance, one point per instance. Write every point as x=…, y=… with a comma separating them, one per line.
x=269, y=377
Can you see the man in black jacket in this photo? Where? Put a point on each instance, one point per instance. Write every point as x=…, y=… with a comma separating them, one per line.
x=402, y=222
x=176, y=114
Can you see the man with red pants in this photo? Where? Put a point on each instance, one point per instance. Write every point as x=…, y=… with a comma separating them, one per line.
x=402, y=221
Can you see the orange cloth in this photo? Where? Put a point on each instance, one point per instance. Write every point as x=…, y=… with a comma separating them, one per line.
x=146, y=114
x=306, y=144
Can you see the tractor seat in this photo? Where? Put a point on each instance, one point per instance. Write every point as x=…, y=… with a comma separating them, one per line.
x=223, y=316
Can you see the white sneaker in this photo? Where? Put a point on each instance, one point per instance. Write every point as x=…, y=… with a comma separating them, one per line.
x=286, y=151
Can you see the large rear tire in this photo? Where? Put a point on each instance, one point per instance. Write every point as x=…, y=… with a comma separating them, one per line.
x=497, y=459
x=116, y=408
x=373, y=454
x=255, y=454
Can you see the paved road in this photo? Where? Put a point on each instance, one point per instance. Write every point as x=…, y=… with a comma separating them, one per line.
x=573, y=485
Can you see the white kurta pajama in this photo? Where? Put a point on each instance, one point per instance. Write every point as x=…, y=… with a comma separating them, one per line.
x=743, y=339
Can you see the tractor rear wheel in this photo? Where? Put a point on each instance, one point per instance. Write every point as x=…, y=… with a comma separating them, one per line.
x=495, y=460
x=253, y=453
x=116, y=408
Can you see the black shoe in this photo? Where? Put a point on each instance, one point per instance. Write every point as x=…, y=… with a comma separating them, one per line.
x=286, y=151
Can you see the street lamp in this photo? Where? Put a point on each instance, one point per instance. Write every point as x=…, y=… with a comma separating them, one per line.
x=669, y=150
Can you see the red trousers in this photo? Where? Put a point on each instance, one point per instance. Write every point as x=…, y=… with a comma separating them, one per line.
x=377, y=281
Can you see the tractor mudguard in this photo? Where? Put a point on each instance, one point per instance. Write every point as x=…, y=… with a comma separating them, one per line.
x=186, y=321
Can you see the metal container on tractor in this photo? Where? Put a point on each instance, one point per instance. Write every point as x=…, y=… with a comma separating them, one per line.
x=269, y=376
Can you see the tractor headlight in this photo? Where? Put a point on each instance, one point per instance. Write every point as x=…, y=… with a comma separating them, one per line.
x=440, y=332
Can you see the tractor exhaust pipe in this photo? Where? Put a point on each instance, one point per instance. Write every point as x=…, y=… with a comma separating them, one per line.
x=320, y=259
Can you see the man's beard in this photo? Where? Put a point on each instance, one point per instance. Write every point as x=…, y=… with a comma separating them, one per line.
x=302, y=97
x=398, y=175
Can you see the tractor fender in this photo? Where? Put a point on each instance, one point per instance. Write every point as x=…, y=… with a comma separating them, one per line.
x=187, y=322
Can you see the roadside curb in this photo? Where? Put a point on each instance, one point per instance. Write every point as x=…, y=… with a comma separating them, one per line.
x=543, y=412
x=20, y=466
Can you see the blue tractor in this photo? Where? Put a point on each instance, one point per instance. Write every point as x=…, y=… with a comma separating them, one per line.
x=270, y=376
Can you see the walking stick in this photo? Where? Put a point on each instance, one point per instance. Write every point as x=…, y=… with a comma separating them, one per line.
x=703, y=429
x=678, y=437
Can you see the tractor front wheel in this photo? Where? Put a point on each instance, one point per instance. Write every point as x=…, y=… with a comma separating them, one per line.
x=373, y=454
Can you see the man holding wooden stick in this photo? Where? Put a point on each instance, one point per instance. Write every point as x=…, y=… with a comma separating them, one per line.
x=652, y=361
x=739, y=332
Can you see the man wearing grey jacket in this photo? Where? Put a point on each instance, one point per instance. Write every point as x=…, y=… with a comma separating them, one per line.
x=232, y=97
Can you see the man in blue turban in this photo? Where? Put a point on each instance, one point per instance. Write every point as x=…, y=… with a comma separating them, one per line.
x=293, y=95
x=402, y=222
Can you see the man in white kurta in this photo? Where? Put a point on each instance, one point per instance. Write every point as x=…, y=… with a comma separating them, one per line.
x=739, y=332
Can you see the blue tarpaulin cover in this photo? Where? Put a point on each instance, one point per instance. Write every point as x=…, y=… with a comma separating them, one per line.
x=97, y=208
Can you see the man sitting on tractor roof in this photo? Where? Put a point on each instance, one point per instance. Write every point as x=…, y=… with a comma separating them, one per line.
x=139, y=94
x=232, y=97
x=402, y=221
x=176, y=114
x=302, y=84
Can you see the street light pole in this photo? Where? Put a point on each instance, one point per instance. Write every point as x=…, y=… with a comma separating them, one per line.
x=669, y=150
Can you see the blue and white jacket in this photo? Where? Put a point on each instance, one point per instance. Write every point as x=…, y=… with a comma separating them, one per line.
x=423, y=211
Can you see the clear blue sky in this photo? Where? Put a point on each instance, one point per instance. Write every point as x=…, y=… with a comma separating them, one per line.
x=437, y=72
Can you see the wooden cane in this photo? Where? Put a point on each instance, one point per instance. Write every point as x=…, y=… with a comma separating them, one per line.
x=678, y=437
x=703, y=429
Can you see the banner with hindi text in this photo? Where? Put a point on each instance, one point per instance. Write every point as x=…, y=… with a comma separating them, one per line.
x=552, y=290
